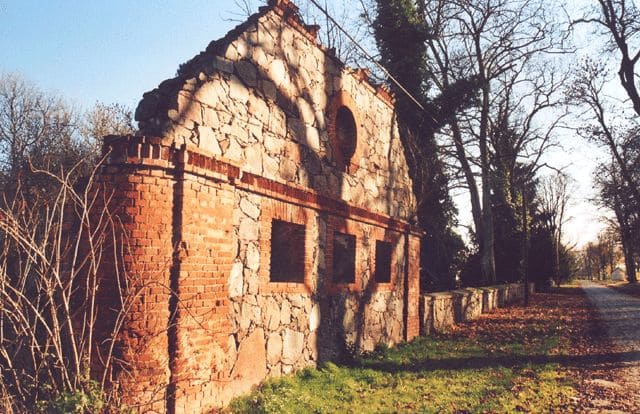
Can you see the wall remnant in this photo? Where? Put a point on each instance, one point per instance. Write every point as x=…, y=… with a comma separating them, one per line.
x=263, y=145
x=440, y=311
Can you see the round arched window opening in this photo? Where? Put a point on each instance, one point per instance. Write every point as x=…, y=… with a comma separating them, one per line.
x=346, y=134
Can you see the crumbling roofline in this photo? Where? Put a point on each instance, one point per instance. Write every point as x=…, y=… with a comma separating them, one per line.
x=289, y=13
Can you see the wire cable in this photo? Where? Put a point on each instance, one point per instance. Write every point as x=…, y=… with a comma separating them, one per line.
x=368, y=56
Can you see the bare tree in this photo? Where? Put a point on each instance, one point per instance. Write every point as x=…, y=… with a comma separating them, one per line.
x=606, y=124
x=502, y=44
x=610, y=253
x=105, y=119
x=40, y=130
x=615, y=196
x=619, y=23
x=554, y=197
x=241, y=10
x=33, y=126
x=588, y=89
x=55, y=230
x=343, y=17
x=600, y=257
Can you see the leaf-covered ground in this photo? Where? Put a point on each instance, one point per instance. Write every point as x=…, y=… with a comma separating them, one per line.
x=544, y=358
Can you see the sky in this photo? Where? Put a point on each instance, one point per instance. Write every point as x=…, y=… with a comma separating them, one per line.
x=113, y=52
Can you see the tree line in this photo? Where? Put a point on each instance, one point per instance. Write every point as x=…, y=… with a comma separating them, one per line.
x=599, y=258
x=497, y=97
x=494, y=104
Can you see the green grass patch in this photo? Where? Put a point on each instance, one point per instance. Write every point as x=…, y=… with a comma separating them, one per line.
x=441, y=374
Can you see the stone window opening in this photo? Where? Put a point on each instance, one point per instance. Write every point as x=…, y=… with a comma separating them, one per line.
x=287, y=252
x=344, y=258
x=383, y=262
x=346, y=135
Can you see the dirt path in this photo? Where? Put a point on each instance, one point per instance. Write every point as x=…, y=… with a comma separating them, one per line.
x=619, y=319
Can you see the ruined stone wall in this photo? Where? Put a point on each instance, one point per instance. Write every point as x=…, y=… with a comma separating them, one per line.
x=243, y=136
x=318, y=319
x=204, y=322
x=263, y=97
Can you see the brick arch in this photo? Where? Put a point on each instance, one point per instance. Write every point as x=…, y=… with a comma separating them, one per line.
x=343, y=99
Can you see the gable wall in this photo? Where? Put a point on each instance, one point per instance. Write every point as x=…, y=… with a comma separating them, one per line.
x=262, y=100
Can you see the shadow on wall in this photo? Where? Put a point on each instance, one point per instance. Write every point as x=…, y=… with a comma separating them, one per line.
x=170, y=111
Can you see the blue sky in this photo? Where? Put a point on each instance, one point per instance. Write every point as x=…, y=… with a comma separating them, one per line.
x=109, y=51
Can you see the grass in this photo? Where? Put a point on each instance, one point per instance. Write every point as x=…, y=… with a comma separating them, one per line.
x=506, y=363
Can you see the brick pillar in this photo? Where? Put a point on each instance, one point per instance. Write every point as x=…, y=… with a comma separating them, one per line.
x=175, y=248
x=140, y=204
x=137, y=184
x=412, y=288
x=206, y=243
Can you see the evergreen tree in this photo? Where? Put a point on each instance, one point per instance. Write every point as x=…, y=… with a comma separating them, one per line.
x=401, y=34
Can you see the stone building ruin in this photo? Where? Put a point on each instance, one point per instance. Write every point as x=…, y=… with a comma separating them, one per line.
x=267, y=212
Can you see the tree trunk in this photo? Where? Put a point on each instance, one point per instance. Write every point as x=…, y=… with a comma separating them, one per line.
x=525, y=246
x=629, y=262
x=487, y=237
x=627, y=78
x=476, y=209
x=482, y=213
x=626, y=238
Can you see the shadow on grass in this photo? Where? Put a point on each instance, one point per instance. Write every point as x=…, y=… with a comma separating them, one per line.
x=598, y=361
x=567, y=290
x=632, y=289
x=535, y=327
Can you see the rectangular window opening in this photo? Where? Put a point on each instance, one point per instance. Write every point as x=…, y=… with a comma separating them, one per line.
x=344, y=258
x=287, y=252
x=383, y=262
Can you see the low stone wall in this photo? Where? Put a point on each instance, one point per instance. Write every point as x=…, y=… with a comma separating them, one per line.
x=439, y=311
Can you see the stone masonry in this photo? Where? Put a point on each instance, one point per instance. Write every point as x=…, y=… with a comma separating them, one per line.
x=254, y=131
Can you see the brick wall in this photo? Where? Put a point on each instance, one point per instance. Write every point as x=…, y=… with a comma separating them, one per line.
x=204, y=321
x=241, y=137
x=200, y=329
x=136, y=280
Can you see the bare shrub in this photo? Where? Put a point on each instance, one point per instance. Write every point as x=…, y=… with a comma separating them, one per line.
x=53, y=356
